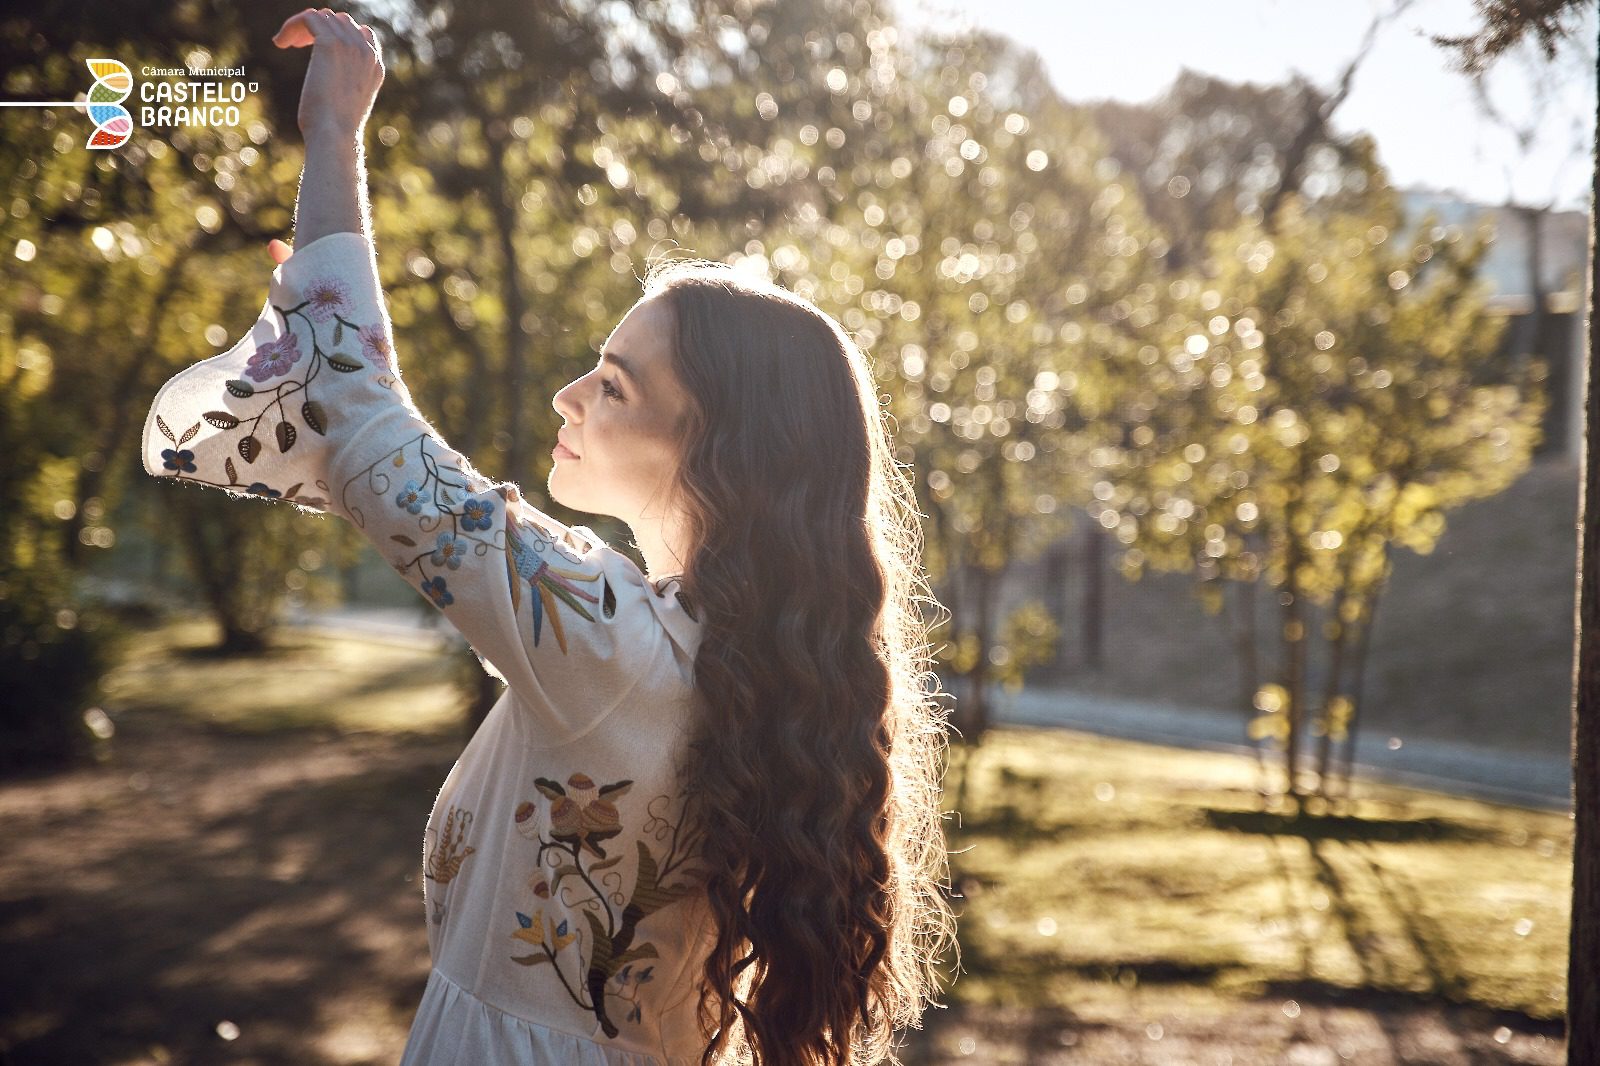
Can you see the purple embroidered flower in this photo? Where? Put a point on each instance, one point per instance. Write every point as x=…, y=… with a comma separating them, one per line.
x=434, y=587
x=273, y=358
x=476, y=514
x=326, y=297
x=260, y=489
x=376, y=347
x=411, y=497
x=450, y=551
x=184, y=460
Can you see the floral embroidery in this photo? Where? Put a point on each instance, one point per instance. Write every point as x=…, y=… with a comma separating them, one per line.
x=444, y=860
x=582, y=816
x=477, y=514
x=326, y=298
x=183, y=459
x=441, y=493
x=274, y=358
x=449, y=551
x=434, y=588
x=446, y=493
x=376, y=347
x=410, y=497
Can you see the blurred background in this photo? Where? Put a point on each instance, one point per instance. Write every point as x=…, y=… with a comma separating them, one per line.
x=1237, y=353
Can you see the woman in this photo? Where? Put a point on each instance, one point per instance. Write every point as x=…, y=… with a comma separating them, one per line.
x=701, y=824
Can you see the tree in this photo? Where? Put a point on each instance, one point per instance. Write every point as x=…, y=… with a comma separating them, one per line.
x=1550, y=22
x=1346, y=393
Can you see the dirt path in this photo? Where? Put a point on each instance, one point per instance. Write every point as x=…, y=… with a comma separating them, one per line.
x=205, y=897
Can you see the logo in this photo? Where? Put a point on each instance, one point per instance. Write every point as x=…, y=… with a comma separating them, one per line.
x=112, y=84
x=112, y=123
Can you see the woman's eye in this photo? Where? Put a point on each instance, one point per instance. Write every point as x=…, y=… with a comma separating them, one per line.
x=610, y=390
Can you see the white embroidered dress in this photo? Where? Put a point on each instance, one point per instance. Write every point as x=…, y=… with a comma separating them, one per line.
x=565, y=912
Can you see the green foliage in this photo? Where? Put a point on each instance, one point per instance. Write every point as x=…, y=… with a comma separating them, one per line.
x=1343, y=390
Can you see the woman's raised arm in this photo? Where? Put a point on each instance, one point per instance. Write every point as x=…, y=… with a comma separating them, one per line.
x=341, y=84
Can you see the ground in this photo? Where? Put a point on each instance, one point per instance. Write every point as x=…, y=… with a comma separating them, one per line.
x=223, y=890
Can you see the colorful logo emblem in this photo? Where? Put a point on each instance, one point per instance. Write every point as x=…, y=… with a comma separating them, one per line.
x=112, y=123
x=113, y=81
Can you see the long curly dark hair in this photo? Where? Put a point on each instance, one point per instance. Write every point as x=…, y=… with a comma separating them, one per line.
x=816, y=764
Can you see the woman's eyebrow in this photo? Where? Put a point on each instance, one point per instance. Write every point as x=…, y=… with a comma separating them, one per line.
x=622, y=365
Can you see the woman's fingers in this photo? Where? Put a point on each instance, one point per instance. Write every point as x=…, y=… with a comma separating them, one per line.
x=306, y=27
x=303, y=29
x=280, y=251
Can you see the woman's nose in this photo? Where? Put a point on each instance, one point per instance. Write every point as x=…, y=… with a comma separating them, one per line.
x=563, y=401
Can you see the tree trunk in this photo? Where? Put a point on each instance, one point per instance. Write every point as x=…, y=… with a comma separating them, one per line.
x=1094, y=596
x=1331, y=689
x=1583, y=956
x=1358, y=696
x=977, y=717
x=218, y=580
x=511, y=294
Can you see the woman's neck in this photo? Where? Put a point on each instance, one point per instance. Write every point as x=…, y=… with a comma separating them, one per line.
x=663, y=543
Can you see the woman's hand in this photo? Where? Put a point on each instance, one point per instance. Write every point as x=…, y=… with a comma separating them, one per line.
x=343, y=78
x=279, y=251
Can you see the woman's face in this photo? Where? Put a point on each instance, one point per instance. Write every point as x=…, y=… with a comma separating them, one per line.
x=619, y=448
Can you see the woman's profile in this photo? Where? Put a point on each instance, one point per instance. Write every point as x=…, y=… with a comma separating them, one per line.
x=701, y=824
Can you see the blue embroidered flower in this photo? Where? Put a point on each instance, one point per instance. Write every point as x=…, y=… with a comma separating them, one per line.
x=450, y=551
x=411, y=497
x=434, y=587
x=476, y=513
x=260, y=489
x=183, y=460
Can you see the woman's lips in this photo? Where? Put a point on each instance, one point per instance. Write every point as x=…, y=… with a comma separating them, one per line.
x=561, y=451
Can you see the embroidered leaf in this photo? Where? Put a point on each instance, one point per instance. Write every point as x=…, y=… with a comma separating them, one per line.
x=524, y=921
x=600, y=957
x=220, y=419
x=550, y=788
x=343, y=363
x=617, y=788
x=647, y=870
x=241, y=388
x=538, y=613
x=608, y=864
x=511, y=576
x=555, y=617
x=608, y=599
x=191, y=431
x=562, y=872
x=315, y=416
x=403, y=539
x=249, y=448
x=530, y=960
x=287, y=435
x=643, y=951
x=291, y=493
x=233, y=473
x=338, y=332
x=165, y=432
x=570, y=600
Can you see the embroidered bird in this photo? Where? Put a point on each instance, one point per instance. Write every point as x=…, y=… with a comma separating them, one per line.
x=549, y=583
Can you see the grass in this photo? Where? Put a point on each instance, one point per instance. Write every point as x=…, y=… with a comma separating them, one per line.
x=307, y=680
x=1091, y=867
x=1091, y=871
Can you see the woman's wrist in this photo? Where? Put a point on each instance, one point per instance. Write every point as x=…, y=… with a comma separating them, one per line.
x=332, y=196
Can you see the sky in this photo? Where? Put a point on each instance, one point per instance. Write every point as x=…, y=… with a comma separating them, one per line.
x=1422, y=114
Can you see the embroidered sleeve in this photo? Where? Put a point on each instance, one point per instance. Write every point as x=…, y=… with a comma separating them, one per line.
x=310, y=407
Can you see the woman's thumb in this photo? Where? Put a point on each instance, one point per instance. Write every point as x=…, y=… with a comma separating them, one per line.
x=280, y=251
